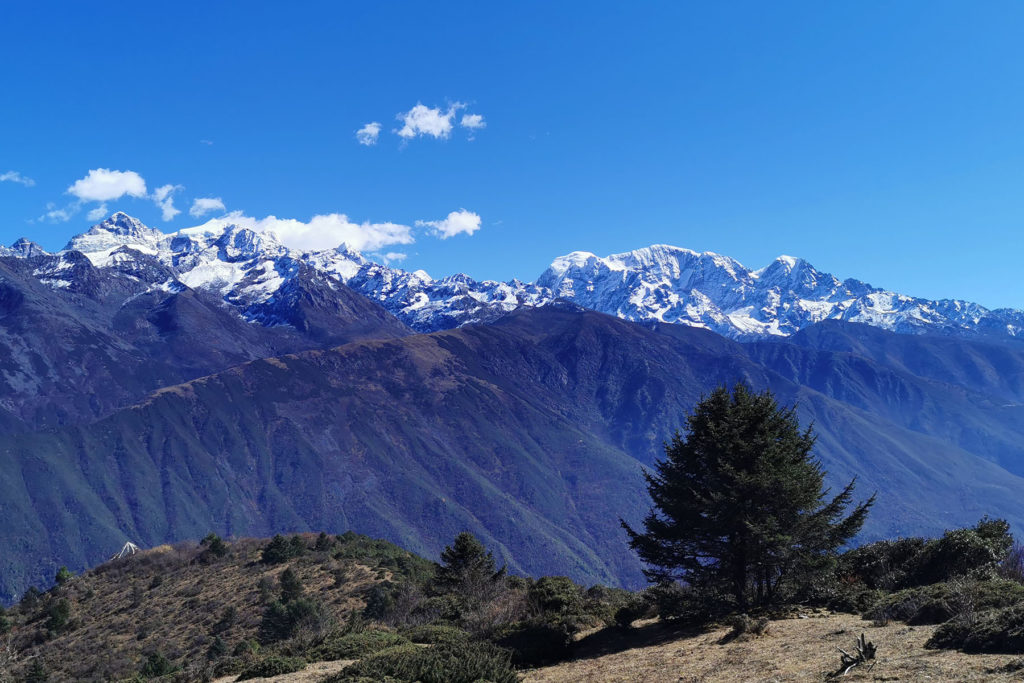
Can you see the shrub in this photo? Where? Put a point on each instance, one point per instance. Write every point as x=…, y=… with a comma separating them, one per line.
x=745, y=626
x=36, y=673
x=536, y=642
x=227, y=619
x=941, y=602
x=323, y=543
x=291, y=585
x=678, y=602
x=885, y=565
x=434, y=634
x=978, y=550
x=281, y=620
x=58, y=616
x=63, y=576
x=357, y=645
x=447, y=663
x=214, y=548
x=218, y=648
x=555, y=594
x=998, y=630
x=156, y=665
x=30, y=600
x=1013, y=566
x=272, y=666
x=602, y=603
x=379, y=553
x=281, y=550
x=381, y=599
x=639, y=606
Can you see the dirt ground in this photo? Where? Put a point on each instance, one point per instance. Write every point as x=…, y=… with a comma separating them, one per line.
x=311, y=674
x=792, y=650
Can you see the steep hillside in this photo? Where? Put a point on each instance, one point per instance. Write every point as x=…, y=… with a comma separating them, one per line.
x=77, y=341
x=178, y=600
x=530, y=432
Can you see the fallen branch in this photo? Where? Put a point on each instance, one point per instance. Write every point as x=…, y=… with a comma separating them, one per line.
x=866, y=651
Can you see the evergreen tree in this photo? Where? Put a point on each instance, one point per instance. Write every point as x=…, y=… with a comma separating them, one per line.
x=215, y=547
x=291, y=585
x=739, y=504
x=467, y=568
x=63, y=576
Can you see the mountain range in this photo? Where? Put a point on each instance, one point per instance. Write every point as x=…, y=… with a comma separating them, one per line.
x=154, y=387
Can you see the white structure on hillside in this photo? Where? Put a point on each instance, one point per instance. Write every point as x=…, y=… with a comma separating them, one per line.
x=128, y=550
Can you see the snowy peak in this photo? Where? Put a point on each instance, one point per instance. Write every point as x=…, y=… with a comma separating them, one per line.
x=119, y=230
x=257, y=275
x=26, y=248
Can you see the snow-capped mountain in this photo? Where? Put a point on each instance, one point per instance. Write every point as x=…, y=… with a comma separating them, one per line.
x=257, y=275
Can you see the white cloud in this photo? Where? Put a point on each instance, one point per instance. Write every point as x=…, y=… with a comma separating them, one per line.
x=395, y=256
x=423, y=120
x=204, y=205
x=457, y=222
x=55, y=215
x=162, y=197
x=15, y=177
x=473, y=121
x=97, y=214
x=102, y=184
x=368, y=134
x=322, y=231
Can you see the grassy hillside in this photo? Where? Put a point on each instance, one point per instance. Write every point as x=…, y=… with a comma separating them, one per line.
x=211, y=611
x=178, y=601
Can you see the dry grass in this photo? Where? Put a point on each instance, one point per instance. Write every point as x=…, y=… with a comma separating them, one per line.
x=123, y=611
x=791, y=650
x=311, y=674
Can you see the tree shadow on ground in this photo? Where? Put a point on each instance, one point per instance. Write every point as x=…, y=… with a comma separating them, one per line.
x=615, y=639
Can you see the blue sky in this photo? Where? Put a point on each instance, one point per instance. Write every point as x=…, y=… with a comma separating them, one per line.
x=877, y=140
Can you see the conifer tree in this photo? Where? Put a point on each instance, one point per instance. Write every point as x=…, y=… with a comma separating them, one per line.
x=291, y=585
x=740, y=509
x=467, y=568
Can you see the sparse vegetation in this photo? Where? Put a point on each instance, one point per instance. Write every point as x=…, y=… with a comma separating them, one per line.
x=446, y=663
x=272, y=666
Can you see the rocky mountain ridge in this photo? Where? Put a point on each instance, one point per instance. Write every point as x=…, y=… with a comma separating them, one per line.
x=252, y=272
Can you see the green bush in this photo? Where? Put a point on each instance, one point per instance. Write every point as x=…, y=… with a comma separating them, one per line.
x=998, y=630
x=280, y=619
x=272, y=666
x=63, y=576
x=536, y=642
x=281, y=550
x=291, y=585
x=639, y=606
x=555, y=594
x=603, y=603
x=885, y=565
x=677, y=602
x=447, y=663
x=58, y=616
x=967, y=551
x=434, y=634
x=214, y=548
x=379, y=553
x=156, y=665
x=744, y=626
x=909, y=562
x=941, y=602
x=356, y=645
